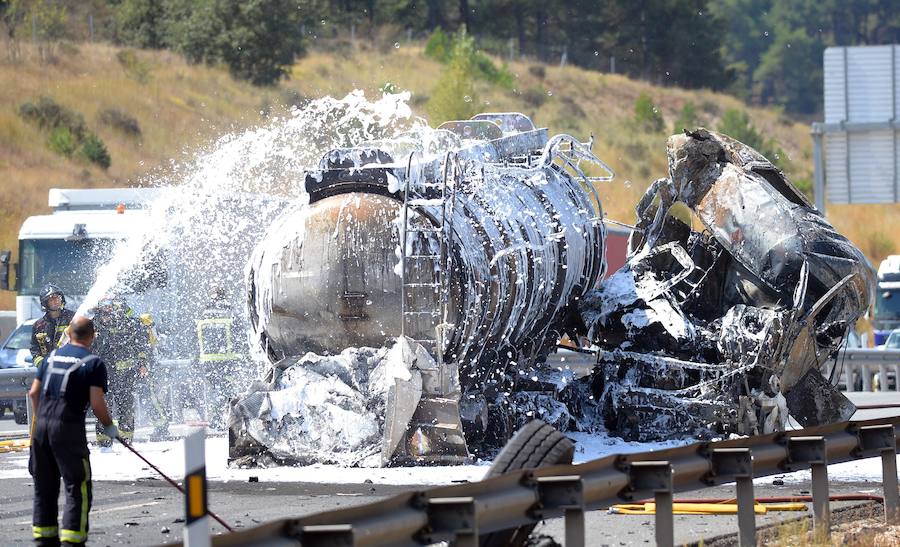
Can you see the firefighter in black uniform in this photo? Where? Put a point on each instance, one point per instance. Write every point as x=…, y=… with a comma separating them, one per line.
x=48, y=330
x=218, y=357
x=122, y=342
x=65, y=383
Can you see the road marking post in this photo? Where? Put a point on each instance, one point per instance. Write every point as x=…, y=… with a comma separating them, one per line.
x=196, y=521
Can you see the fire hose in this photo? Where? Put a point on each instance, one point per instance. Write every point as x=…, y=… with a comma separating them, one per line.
x=173, y=483
x=728, y=506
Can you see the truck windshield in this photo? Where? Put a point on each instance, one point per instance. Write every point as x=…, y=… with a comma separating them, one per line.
x=887, y=304
x=71, y=265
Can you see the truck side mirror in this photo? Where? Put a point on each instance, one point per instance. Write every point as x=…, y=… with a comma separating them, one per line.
x=4, y=269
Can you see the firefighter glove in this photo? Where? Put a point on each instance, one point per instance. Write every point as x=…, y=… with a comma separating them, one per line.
x=111, y=431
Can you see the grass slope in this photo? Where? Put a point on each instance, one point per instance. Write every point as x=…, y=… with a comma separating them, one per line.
x=181, y=108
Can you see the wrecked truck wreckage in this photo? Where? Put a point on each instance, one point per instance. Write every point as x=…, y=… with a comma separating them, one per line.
x=408, y=305
x=735, y=297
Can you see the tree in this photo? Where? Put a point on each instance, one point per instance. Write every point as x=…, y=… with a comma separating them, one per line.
x=261, y=38
x=453, y=97
x=12, y=14
x=257, y=39
x=140, y=23
x=790, y=73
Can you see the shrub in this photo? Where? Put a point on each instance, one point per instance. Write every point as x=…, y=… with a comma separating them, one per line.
x=48, y=115
x=292, y=97
x=646, y=115
x=134, y=67
x=442, y=48
x=534, y=97
x=487, y=70
x=538, y=71
x=62, y=141
x=438, y=46
x=67, y=130
x=454, y=95
x=736, y=124
x=687, y=118
x=93, y=150
x=120, y=121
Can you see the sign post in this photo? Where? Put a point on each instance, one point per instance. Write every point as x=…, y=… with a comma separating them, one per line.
x=196, y=521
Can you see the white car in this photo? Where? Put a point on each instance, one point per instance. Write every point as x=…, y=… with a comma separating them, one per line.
x=16, y=353
x=892, y=342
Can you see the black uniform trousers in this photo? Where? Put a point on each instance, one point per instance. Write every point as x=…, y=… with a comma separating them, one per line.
x=59, y=450
x=121, y=390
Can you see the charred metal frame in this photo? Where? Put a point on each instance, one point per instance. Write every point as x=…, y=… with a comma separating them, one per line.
x=524, y=497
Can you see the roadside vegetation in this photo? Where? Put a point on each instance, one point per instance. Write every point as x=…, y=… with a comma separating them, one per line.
x=124, y=113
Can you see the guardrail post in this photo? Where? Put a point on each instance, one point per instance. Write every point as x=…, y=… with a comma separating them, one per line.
x=879, y=439
x=327, y=535
x=811, y=451
x=657, y=477
x=849, y=376
x=866, y=377
x=738, y=463
x=882, y=377
x=457, y=516
x=896, y=377
x=567, y=493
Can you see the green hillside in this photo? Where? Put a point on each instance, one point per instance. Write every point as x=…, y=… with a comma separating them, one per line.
x=148, y=107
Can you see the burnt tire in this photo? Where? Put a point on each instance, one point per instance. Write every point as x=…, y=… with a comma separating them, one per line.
x=534, y=445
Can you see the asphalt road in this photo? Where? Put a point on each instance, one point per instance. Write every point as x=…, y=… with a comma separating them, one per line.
x=149, y=511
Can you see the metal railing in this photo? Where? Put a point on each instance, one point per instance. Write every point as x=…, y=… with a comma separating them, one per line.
x=462, y=513
x=865, y=363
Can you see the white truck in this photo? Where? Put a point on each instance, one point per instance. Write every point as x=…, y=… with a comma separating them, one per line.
x=887, y=299
x=66, y=247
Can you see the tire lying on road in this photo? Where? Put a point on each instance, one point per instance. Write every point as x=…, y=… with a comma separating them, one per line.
x=534, y=445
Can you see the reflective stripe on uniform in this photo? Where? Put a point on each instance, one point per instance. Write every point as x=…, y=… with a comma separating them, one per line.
x=40, y=532
x=85, y=502
x=214, y=357
x=72, y=536
x=66, y=372
x=220, y=322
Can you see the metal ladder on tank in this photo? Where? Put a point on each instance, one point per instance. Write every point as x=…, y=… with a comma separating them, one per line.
x=409, y=315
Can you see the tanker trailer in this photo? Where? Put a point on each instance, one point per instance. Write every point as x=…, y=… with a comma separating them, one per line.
x=473, y=256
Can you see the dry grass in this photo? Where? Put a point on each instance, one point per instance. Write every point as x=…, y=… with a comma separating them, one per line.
x=864, y=530
x=181, y=107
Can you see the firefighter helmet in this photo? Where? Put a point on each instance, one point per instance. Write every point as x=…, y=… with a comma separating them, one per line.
x=50, y=290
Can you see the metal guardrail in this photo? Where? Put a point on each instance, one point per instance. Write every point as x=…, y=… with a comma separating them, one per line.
x=464, y=512
x=865, y=363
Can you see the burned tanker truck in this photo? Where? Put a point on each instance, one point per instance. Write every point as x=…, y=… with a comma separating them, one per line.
x=408, y=304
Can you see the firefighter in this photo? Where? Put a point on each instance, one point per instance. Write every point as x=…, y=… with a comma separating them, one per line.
x=218, y=359
x=122, y=342
x=155, y=384
x=65, y=384
x=46, y=334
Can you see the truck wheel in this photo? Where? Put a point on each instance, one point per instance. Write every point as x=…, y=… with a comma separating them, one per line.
x=535, y=445
x=21, y=417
